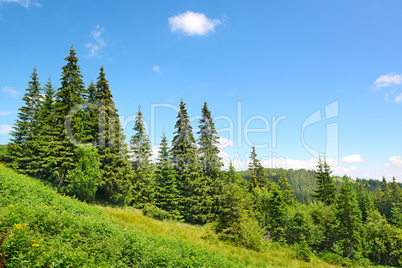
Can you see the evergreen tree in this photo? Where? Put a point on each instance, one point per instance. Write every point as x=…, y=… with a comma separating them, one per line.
x=286, y=188
x=366, y=203
x=23, y=147
x=257, y=171
x=46, y=134
x=325, y=183
x=93, y=101
x=69, y=126
x=208, y=141
x=116, y=177
x=349, y=218
x=383, y=199
x=167, y=193
x=193, y=186
x=141, y=151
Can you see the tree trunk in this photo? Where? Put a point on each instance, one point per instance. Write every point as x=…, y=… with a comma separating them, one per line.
x=61, y=181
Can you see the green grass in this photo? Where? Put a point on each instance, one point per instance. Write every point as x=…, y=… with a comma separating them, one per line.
x=199, y=235
x=45, y=229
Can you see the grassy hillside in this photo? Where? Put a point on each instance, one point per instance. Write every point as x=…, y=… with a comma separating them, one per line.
x=43, y=229
x=199, y=235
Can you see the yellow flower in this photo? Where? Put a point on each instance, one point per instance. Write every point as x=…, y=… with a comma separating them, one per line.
x=11, y=206
x=35, y=245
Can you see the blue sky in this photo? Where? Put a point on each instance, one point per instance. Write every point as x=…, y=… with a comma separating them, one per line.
x=255, y=63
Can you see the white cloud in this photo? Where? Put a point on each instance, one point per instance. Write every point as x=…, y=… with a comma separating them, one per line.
x=24, y=3
x=398, y=98
x=99, y=42
x=5, y=129
x=5, y=113
x=156, y=69
x=387, y=80
x=394, y=166
x=192, y=23
x=10, y=91
x=354, y=158
x=154, y=154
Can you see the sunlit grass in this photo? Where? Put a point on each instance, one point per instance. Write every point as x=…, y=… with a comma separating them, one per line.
x=281, y=257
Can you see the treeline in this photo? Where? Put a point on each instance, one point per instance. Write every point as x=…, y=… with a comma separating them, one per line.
x=304, y=181
x=72, y=139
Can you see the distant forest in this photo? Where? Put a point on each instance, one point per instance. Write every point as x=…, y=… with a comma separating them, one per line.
x=304, y=181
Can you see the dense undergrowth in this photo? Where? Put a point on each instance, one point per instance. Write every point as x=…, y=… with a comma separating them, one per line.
x=44, y=229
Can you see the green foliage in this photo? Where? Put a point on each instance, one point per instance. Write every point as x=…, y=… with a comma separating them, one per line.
x=167, y=193
x=286, y=188
x=156, y=213
x=48, y=230
x=84, y=179
x=23, y=147
x=302, y=250
x=4, y=155
x=140, y=151
x=325, y=183
x=258, y=178
x=208, y=141
x=349, y=217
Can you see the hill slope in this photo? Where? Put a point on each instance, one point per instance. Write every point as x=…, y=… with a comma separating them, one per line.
x=41, y=228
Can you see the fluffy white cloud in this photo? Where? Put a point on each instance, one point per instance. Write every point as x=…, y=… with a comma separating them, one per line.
x=354, y=158
x=5, y=113
x=10, y=91
x=394, y=167
x=387, y=80
x=398, y=98
x=99, y=42
x=5, y=129
x=24, y=3
x=191, y=23
x=156, y=69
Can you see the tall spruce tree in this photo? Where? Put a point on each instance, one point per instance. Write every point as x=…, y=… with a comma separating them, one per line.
x=209, y=157
x=258, y=178
x=325, y=191
x=69, y=124
x=193, y=185
x=208, y=144
x=167, y=193
x=140, y=148
x=116, y=178
x=286, y=188
x=46, y=134
x=23, y=147
x=349, y=217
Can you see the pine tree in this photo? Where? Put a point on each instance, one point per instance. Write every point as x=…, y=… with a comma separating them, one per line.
x=209, y=158
x=384, y=199
x=193, y=186
x=167, y=193
x=208, y=141
x=116, y=177
x=349, y=218
x=326, y=187
x=92, y=102
x=258, y=178
x=140, y=148
x=365, y=201
x=69, y=97
x=46, y=134
x=286, y=188
x=23, y=147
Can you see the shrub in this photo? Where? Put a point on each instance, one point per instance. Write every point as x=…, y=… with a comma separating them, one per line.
x=156, y=213
x=302, y=250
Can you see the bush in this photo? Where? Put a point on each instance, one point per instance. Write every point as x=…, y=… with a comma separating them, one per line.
x=3, y=153
x=85, y=178
x=302, y=250
x=156, y=213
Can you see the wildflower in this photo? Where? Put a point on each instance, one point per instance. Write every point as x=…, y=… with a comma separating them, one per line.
x=11, y=206
x=35, y=245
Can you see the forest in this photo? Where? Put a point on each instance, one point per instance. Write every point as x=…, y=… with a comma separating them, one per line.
x=70, y=138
